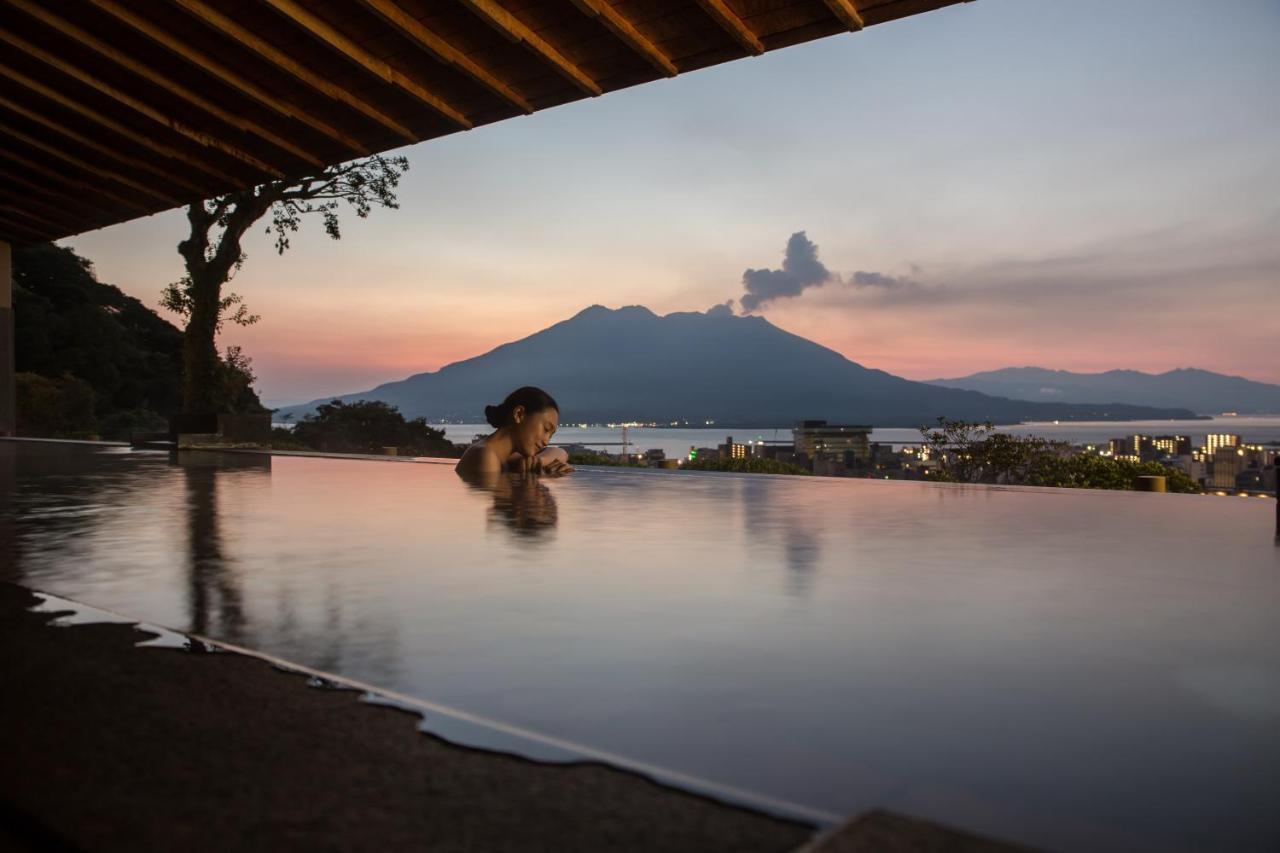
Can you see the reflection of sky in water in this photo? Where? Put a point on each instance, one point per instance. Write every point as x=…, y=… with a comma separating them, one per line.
x=1086, y=670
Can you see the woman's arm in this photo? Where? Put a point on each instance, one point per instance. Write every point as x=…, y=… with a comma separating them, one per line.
x=552, y=460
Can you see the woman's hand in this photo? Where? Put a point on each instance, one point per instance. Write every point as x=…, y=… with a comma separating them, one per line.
x=553, y=467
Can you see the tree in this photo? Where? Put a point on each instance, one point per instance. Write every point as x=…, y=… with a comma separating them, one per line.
x=976, y=453
x=212, y=254
x=746, y=466
x=69, y=324
x=54, y=408
x=367, y=426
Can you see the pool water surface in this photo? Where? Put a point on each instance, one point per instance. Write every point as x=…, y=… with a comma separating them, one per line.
x=1072, y=669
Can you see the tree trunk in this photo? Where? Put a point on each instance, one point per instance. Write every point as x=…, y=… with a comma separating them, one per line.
x=200, y=353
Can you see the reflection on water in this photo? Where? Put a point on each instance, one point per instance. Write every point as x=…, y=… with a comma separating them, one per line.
x=1079, y=670
x=216, y=605
x=521, y=502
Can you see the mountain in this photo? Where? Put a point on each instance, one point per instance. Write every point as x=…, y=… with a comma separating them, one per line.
x=630, y=364
x=1200, y=390
x=70, y=326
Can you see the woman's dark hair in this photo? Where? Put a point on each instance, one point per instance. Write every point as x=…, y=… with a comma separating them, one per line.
x=533, y=400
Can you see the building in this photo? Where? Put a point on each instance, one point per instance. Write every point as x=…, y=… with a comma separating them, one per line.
x=1215, y=440
x=1173, y=445
x=1141, y=446
x=1228, y=464
x=733, y=449
x=817, y=438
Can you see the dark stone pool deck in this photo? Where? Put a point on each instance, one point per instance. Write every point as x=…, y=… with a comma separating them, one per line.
x=104, y=746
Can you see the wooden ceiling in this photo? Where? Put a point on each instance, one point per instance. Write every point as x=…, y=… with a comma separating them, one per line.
x=114, y=109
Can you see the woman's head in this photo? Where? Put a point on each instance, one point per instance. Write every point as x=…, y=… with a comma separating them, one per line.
x=531, y=416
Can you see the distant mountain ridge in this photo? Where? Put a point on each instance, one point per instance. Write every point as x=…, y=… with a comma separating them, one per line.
x=1203, y=391
x=629, y=364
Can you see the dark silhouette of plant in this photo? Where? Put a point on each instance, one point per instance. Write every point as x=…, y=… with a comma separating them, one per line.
x=976, y=453
x=212, y=253
x=367, y=426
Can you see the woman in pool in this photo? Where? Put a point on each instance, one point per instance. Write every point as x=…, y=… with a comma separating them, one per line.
x=523, y=424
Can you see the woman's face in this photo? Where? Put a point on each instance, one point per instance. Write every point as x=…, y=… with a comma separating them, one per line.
x=532, y=431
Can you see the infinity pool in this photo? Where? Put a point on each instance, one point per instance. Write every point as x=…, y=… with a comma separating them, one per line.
x=1078, y=670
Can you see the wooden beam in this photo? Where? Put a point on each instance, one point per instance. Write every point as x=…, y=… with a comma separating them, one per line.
x=53, y=214
x=89, y=190
x=146, y=72
x=105, y=150
x=732, y=24
x=514, y=29
x=9, y=209
x=136, y=104
x=377, y=66
x=46, y=198
x=107, y=174
x=847, y=13
x=8, y=199
x=211, y=66
x=413, y=29
x=16, y=227
x=622, y=28
x=248, y=39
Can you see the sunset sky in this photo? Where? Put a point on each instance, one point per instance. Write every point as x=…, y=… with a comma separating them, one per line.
x=1083, y=186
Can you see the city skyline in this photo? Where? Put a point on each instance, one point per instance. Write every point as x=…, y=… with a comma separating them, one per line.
x=1116, y=209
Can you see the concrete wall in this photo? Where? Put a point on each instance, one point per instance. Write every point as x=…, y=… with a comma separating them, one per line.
x=8, y=411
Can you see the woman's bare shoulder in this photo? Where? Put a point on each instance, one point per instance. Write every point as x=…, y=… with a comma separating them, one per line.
x=478, y=458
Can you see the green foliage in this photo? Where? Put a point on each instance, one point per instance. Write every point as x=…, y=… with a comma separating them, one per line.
x=746, y=466
x=284, y=439
x=235, y=384
x=1083, y=471
x=976, y=453
x=66, y=323
x=179, y=297
x=54, y=408
x=367, y=426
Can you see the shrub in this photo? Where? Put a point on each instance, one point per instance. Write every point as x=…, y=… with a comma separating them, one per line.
x=746, y=466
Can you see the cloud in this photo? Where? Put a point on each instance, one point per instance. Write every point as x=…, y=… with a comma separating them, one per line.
x=800, y=269
x=861, y=278
x=724, y=309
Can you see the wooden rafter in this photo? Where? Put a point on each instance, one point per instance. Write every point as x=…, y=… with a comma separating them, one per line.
x=847, y=13
x=43, y=145
x=634, y=39
x=733, y=25
x=514, y=29
x=236, y=81
x=98, y=118
x=106, y=150
x=13, y=226
x=124, y=60
x=11, y=199
x=134, y=103
x=377, y=66
x=89, y=190
x=49, y=198
x=7, y=208
x=54, y=215
x=248, y=39
x=413, y=29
